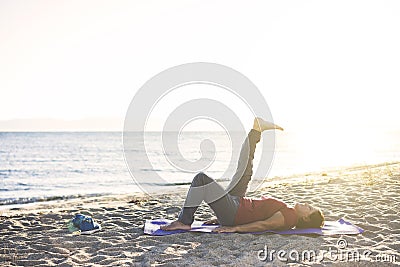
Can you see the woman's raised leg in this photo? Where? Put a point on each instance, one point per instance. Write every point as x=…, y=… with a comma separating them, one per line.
x=244, y=171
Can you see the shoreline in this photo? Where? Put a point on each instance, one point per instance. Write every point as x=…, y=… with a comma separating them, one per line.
x=367, y=196
x=317, y=176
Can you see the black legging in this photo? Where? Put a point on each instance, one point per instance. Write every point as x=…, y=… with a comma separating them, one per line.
x=224, y=202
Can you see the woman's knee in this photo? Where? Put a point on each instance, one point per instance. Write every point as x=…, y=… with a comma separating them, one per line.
x=201, y=179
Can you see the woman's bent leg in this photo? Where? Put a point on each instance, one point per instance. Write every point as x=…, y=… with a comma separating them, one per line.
x=207, y=189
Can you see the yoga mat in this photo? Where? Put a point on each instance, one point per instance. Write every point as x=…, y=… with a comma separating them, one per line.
x=340, y=227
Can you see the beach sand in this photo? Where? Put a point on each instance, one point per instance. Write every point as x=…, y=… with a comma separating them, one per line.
x=367, y=196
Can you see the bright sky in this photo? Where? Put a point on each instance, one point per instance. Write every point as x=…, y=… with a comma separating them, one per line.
x=334, y=63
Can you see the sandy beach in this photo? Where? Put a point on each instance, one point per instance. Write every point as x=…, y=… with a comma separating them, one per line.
x=367, y=196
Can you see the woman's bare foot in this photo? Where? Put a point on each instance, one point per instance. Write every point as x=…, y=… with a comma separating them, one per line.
x=262, y=125
x=176, y=225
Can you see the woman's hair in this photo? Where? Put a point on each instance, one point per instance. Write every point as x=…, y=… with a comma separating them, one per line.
x=316, y=220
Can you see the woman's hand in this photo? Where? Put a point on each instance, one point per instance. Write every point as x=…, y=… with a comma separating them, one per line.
x=212, y=221
x=225, y=229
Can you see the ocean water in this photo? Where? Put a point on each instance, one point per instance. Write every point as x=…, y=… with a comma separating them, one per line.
x=46, y=165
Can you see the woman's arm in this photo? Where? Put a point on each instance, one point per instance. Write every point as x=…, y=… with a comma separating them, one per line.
x=274, y=222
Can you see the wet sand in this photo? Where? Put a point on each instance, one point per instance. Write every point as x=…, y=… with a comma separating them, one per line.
x=367, y=196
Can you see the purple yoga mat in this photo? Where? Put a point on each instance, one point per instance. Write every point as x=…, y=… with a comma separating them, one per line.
x=340, y=227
